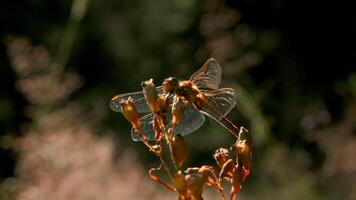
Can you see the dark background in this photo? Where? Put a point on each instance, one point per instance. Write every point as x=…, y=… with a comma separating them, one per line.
x=292, y=60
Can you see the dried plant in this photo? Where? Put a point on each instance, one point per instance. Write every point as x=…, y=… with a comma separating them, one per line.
x=177, y=109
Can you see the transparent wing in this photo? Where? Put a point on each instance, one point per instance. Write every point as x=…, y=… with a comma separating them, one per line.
x=138, y=98
x=208, y=76
x=146, y=128
x=220, y=102
x=191, y=121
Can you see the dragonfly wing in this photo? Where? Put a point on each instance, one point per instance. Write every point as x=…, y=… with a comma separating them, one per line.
x=191, y=121
x=146, y=128
x=138, y=99
x=208, y=76
x=220, y=102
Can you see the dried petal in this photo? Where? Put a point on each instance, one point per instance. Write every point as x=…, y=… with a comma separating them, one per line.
x=221, y=155
x=209, y=175
x=210, y=178
x=227, y=170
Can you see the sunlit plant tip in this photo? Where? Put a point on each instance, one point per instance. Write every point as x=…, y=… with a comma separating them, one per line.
x=129, y=110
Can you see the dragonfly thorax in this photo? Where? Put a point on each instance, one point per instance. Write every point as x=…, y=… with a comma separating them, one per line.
x=189, y=92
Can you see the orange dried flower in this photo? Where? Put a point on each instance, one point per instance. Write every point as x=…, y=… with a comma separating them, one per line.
x=221, y=155
x=130, y=113
x=225, y=163
x=151, y=95
x=242, y=147
x=195, y=181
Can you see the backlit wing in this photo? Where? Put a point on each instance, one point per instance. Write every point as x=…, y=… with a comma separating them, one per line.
x=220, y=102
x=138, y=99
x=208, y=76
x=191, y=121
x=146, y=128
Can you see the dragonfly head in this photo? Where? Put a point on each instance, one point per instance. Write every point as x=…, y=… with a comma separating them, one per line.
x=170, y=85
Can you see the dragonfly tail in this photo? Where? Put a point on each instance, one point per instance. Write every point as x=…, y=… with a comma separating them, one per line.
x=230, y=126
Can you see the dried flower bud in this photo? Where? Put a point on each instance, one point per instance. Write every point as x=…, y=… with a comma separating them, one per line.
x=242, y=147
x=179, y=151
x=178, y=108
x=221, y=156
x=195, y=181
x=225, y=163
x=180, y=183
x=151, y=95
x=130, y=113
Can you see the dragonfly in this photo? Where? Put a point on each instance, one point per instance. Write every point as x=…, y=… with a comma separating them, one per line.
x=202, y=92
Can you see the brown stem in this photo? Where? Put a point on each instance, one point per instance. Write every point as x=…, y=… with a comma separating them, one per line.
x=147, y=143
x=157, y=153
x=159, y=180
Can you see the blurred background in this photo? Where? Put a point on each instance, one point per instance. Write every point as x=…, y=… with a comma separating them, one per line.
x=292, y=64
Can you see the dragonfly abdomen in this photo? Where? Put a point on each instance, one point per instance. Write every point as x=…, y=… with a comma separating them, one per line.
x=221, y=119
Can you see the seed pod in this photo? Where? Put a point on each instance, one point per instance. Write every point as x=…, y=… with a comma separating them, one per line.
x=178, y=108
x=151, y=95
x=179, y=151
x=130, y=113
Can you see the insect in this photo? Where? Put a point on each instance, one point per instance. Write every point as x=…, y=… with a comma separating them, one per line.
x=201, y=91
